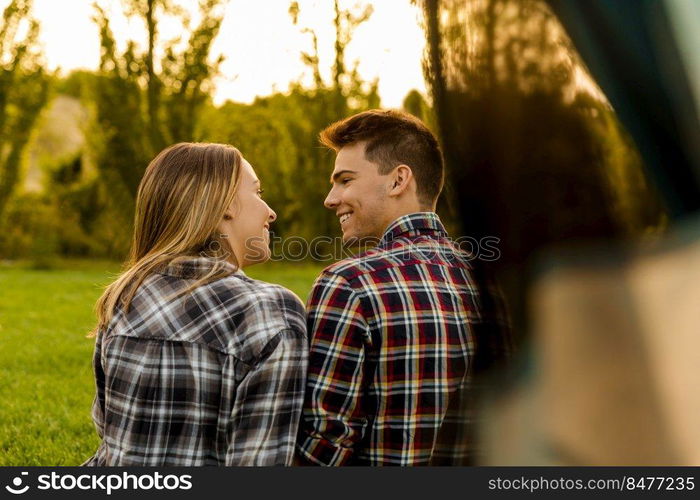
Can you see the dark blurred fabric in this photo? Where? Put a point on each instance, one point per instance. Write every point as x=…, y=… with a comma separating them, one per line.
x=631, y=50
x=608, y=314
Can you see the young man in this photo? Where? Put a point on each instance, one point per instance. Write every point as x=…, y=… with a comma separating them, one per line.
x=393, y=329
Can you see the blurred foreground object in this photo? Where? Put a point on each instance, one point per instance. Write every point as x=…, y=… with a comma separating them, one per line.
x=608, y=329
x=645, y=55
x=620, y=357
x=617, y=353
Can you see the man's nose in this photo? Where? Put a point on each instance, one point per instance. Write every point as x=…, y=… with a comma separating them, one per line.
x=332, y=201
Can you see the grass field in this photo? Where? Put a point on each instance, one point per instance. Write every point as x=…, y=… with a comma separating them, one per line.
x=46, y=382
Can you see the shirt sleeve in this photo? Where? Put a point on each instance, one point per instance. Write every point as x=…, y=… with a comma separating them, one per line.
x=98, y=402
x=333, y=421
x=268, y=404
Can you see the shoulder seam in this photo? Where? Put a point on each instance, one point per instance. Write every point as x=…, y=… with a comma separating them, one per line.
x=180, y=341
x=263, y=352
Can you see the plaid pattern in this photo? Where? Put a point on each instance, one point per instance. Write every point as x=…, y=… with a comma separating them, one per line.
x=211, y=377
x=392, y=347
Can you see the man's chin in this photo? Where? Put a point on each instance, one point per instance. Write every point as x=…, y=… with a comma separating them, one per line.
x=349, y=240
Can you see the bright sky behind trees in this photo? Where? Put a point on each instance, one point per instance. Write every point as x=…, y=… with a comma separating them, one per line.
x=261, y=44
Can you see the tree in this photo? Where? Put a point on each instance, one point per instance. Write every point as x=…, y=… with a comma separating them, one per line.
x=309, y=110
x=345, y=82
x=142, y=102
x=24, y=87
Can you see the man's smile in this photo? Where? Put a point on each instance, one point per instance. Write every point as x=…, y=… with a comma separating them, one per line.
x=344, y=217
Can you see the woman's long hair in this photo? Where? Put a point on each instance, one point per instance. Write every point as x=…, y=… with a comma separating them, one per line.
x=181, y=200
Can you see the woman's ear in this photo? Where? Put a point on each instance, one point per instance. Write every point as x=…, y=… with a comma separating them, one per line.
x=230, y=212
x=222, y=226
x=401, y=179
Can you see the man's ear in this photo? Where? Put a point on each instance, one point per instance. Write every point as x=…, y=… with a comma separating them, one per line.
x=401, y=178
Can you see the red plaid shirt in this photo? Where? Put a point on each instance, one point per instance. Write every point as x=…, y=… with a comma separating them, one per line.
x=392, y=352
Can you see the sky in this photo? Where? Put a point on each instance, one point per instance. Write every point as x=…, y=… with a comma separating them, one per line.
x=261, y=44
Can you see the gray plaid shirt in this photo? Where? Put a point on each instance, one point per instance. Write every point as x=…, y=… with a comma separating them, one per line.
x=212, y=377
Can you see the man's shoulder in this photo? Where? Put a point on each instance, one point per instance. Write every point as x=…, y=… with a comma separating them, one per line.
x=403, y=252
x=361, y=264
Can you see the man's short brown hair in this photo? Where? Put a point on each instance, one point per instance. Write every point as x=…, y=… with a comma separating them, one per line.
x=393, y=138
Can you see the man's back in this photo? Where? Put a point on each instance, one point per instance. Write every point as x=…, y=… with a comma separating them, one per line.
x=391, y=354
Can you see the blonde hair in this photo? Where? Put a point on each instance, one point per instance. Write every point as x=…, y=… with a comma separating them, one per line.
x=181, y=200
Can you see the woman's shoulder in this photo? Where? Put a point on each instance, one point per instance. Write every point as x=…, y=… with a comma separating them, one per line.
x=262, y=296
x=234, y=289
x=233, y=314
x=258, y=310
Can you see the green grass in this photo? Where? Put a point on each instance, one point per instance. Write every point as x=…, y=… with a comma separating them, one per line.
x=46, y=381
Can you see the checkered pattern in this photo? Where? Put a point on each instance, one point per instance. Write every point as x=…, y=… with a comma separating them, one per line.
x=212, y=377
x=392, y=352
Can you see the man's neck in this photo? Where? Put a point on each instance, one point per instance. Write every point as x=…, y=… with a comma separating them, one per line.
x=401, y=213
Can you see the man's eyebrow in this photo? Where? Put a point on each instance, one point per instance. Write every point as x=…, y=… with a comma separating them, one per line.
x=338, y=174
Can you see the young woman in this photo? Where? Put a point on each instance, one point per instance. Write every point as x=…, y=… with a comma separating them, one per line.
x=195, y=363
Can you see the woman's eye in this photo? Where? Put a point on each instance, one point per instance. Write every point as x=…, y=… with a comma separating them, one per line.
x=345, y=181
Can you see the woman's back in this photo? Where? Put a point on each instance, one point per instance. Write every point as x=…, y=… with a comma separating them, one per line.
x=213, y=376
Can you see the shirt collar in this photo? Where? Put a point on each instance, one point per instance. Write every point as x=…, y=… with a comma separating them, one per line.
x=190, y=267
x=414, y=224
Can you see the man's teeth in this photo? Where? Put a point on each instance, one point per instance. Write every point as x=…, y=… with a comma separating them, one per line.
x=344, y=217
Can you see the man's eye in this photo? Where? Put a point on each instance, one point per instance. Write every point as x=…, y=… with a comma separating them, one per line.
x=345, y=180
